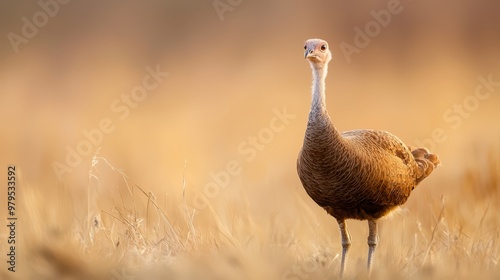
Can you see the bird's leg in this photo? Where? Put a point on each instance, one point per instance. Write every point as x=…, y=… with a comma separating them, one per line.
x=372, y=242
x=346, y=243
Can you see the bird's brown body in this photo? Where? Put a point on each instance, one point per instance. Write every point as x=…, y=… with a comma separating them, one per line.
x=358, y=174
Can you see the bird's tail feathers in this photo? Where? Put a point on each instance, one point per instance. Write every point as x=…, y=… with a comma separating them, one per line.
x=426, y=162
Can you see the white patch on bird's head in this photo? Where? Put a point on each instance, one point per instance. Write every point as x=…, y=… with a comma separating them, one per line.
x=317, y=52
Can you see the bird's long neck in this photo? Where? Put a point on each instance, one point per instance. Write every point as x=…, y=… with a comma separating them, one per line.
x=320, y=129
x=318, y=106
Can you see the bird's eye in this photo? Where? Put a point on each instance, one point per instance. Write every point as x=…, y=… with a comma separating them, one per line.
x=323, y=47
x=305, y=47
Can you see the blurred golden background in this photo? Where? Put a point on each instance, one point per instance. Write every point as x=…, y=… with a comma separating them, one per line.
x=231, y=65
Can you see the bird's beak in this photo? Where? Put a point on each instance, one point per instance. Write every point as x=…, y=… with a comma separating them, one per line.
x=309, y=53
x=305, y=53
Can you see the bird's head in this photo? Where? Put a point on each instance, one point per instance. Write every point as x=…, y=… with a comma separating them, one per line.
x=317, y=52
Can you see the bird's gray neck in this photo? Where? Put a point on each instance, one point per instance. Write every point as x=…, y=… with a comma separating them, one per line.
x=322, y=140
x=318, y=106
x=319, y=120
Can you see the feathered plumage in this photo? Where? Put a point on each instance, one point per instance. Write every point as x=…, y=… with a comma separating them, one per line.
x=358, y=174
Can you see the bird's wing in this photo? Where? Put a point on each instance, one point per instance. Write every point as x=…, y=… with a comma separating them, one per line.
x=378, y=142
x=389, y=161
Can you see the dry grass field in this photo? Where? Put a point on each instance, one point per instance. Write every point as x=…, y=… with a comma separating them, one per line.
x=158, y=140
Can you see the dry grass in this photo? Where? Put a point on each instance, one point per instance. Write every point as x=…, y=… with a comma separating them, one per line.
x=128, y=213
x=132, y=233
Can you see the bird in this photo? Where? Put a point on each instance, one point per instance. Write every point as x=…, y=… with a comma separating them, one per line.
x=359, y=174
